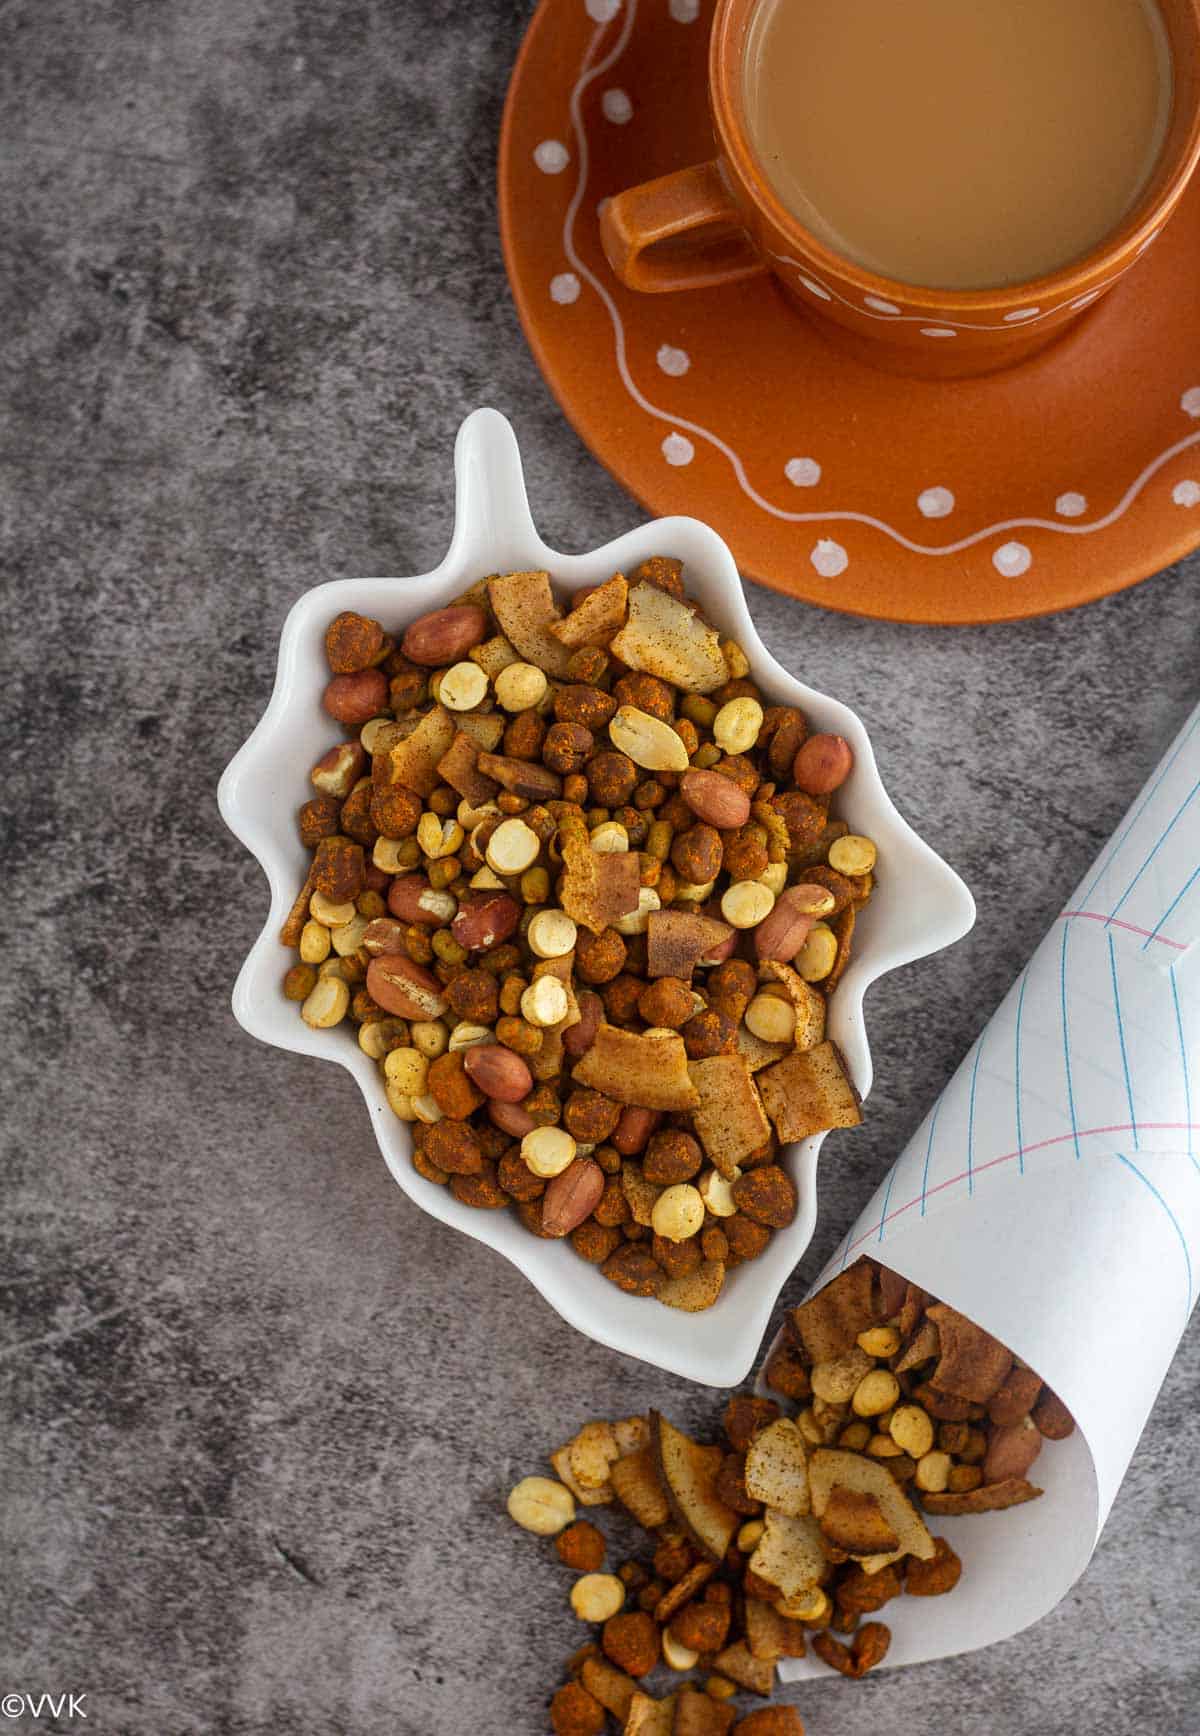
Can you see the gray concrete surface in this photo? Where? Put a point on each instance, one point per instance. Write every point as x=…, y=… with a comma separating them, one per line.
x=260, y=1414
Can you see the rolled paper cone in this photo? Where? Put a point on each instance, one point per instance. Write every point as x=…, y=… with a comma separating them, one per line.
x=1052, y=1194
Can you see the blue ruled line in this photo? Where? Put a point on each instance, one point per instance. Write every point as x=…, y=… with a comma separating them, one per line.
x=887, y=1196
x=971, y=1116
x=1112, y=960
x=1017, y=1082
x=1067, y=1040
x=1146, y=1182
x=1164, y=835
x=929, y=1153
x=1170, y=910
x=1110, y=858
x=1187, y=1085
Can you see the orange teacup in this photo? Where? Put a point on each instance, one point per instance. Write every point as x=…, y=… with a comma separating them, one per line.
x=725, y=219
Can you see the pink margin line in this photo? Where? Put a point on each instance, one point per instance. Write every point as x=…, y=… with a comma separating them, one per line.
x=1022, y=1151
x=1132, y=927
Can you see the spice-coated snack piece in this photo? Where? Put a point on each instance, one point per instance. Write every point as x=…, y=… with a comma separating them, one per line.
x=563, y=838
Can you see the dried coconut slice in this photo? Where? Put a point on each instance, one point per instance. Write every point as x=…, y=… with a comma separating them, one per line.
x=524, y=605
x=741, y=1666
x=599, y=887
x=649, y=1071
x=649, y=1717
x=638, y=1487
x=611, y=1686
x=832, y=1468
x=789, y=1553
x=972, y=1365
x=597, y=618
x=809, y=1092
x=676, y=941
x=854, y=1520
x=561, y=1460
x=730, y=1121
x=991, y=1498
x=688, y=1475
x=484, y=727
x=664, y=638
x=755, y=1052
x=777, y=1469
x=414, y=761
x=459, y=767
x=828, y=1324
x=808, y=1004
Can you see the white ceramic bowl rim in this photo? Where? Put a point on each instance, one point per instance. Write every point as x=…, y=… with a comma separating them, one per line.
x=920, y=904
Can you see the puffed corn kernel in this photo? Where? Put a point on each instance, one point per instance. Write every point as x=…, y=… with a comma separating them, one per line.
x=437, y=836
x=810, y=1428
x=736, y=725
x=676, y=1656
x=430, y=1036
x=736, y=660
x=771, y=1018
x=933, y=1472
x=427, y=1109
x=327, y=1005
x=407, y=1069
x=818, y=955
x=879, y=1341
x=335, y=967
x=749, y=1534
x=391, y=856
x=551, y=934
x=547, y=1151
x=371, y=730
x=540, y=1505
x=835, y=1380
x=512, y=847
x=638, y=920
x=466, y=1036
x=811, y=1606
x=348, y=938
x=747, y=903
x=686, y=892
x=911, y=1429
x=855, y=1436
x=875, y=1393
x=774, y=876
x=610, y=838
x=521, y=686
x=596, y=1596
x=720, y=1688
x=716, y=1191
x=400, y=1103
x=658, y=839
x=852, y=854
x=463, y=687
x=377, y=1037
x=314, y=942
x=545, y=1003
x=678, y=1212
x=332, y=915
x=883, y=1447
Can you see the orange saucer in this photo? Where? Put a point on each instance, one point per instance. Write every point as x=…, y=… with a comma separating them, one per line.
x=1057, y=482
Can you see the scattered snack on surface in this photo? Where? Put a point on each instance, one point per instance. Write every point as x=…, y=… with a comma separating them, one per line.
x=795, y=1531
x=578, y=886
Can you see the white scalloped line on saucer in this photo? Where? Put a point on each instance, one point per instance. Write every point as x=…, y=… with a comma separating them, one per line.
x=1011, y=558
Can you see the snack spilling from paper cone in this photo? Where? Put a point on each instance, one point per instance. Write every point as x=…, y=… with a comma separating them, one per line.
x=581, y=891
x=798, y=1526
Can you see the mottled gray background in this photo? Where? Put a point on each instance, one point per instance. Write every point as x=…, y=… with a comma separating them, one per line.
x=262, y=1415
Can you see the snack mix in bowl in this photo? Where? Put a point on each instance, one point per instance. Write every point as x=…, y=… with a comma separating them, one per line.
x=584, y=897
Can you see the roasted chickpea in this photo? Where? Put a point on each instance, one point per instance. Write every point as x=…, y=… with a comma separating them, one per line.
x=566, y=747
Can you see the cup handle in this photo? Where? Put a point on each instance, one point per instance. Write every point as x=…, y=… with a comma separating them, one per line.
x=654, y=235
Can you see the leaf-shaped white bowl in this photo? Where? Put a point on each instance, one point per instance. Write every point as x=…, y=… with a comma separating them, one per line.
x=919, y=906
